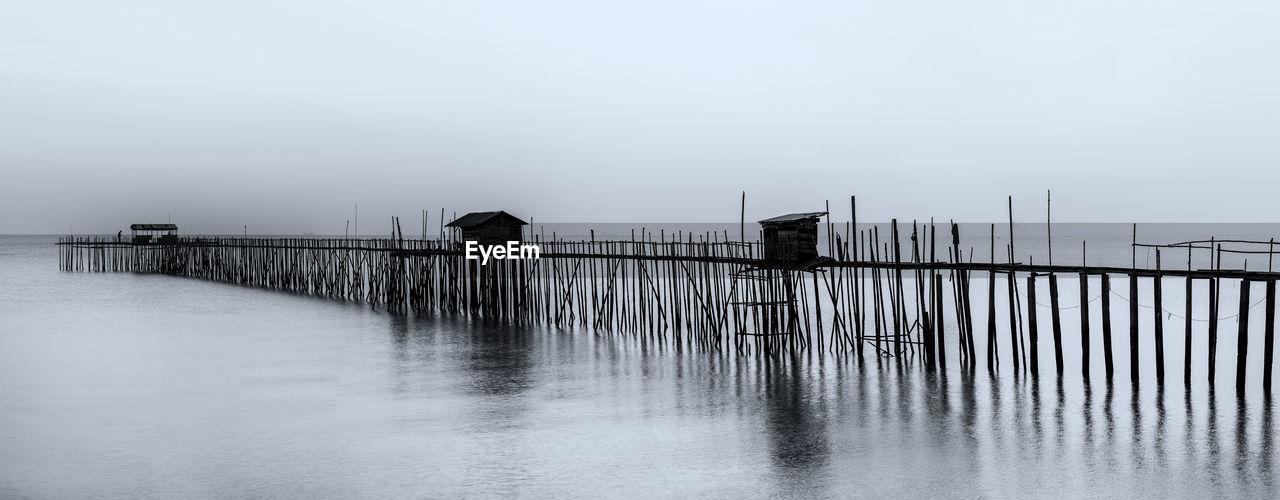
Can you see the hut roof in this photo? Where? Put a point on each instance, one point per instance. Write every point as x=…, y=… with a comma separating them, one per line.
x=796, y=217
x=477, y=218
x=153, y=227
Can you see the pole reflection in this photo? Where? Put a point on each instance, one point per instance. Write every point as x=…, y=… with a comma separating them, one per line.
x=827, y=425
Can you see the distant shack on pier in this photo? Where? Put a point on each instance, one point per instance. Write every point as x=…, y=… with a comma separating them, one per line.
x=163, y=233
x=490, y=228
x=791, y=239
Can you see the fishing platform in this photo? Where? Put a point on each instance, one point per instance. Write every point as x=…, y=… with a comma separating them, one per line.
x=775, y=295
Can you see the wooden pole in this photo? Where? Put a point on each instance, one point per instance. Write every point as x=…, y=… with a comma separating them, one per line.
x=1269, y=336
x=1133, y=247
x=857, y=282
x=1032, y=329
x=1057, y=323
x=899, y=306
x=1109, y=365
x=940, y=343
x=742, y=220
x=1186, y=348
x=1048, y=202
x=964, y=296
x=1159, y=321
x=1084, y=326
x=1242, y=336
x=1133, y=308
x=1133, y=328
x=1213, y=319
x=992, y=353
x=1013, y=305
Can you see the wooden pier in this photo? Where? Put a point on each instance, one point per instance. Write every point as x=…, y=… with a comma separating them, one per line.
x=862, y=299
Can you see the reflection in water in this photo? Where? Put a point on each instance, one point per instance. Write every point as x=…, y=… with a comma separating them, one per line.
x=1059, y=419
x=1243, y=453
x=824, y=420
x=496, y=357
x=831, y=425
x=1136, y=455
x=1190, y=433
x=1213, y=440
x=1266, y=445
x=1159, y=437
x=796, y=425
x=1089, y=446
x=499, y=361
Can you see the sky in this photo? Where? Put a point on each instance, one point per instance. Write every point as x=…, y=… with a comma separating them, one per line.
x=284, y=115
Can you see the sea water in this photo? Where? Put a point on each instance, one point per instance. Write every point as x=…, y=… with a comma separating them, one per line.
x=121, y=385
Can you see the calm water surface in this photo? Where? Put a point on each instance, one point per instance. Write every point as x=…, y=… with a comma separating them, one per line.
x=130, y=386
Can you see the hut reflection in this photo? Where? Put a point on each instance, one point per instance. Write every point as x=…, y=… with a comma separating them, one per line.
x=796, y=419
x=494, y=359
x=499, y=360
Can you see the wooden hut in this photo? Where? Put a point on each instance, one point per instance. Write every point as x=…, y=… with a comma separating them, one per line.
x=791, y=239
x=489, y=228
x=144, y=233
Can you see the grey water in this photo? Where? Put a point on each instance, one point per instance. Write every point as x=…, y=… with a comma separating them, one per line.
x=140, y=386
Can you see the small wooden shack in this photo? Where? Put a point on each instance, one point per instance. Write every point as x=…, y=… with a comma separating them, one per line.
x=490, y=228
x=791, y=239
x=163, y=233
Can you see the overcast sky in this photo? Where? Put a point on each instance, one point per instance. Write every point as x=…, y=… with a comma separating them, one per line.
x=282, y=115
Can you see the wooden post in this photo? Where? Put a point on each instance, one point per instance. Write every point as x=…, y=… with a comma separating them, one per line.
x=899, y=307
x=1011, y=252
x=1159, y=321
x=967, y=324
x=742, y=219
x=991, y=322
x=991, y=308
x=1269, y=338
x=856, y=281
x=877, y=309
x=1032, y=329
x=1186, y=349
x=1106, y=326
x=1133, y=247
x=1213, y=329
x=940, y=341
x=1242, y=338
x=1013, y=304
x=1133, y=328
x=1057, y=323
x=1213, y=320
x=1048, y=225
x=1084, y=326
x=1013, y=320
